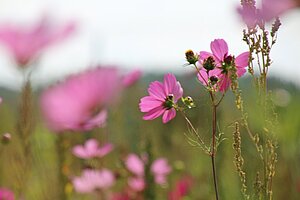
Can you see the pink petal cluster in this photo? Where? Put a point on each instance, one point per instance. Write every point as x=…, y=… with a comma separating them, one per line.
x=162, y=97
x=6, y=194
x=92, y=149
x=220, y=54
x=181, y=189
x=26, y=44
x=159, y=168
x=90, y=180
x=131, y=78
x=79, y=103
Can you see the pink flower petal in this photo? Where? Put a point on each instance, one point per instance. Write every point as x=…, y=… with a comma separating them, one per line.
x=97, y=121
x=169, y=83
x=219, y=48
x=105, y=179
x=203, y=77
x=70, y=104
x=80, y=152
x=160, y=166
x=132, y=78
x=136, y=183
x=168, y=115
x=241, y=60
x=156, y=89
x=135, y=165
x=241, y=63
x=6, y=194
x=154, y=113
x=224, y=83
x=148, y=103
x=160, y=179
x=204, y=55
x=91, y=149
x=105, y=149
x=177, y=91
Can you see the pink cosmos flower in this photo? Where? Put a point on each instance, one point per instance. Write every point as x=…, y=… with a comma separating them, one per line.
x=181, y=189
x=132, y=78
x=90, y=180
x=223, y=62
x=26, y=44
x=0, y=100
x=91, y=149
x=162, y=98
x=159, y=168
x=79, y=103
x=6, y=194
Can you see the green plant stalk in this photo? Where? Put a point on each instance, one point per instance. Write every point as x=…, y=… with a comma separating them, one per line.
x=60, y=148
x=24, y=130
x=213, y=148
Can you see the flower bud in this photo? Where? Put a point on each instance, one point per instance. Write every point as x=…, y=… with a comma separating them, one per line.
x=213, y=79
x=191, y=57
x=188, y=102
x=209, y=63
x=6, y=137
x=228, y=60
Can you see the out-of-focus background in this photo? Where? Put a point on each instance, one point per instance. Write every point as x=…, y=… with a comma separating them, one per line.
x=152, y=36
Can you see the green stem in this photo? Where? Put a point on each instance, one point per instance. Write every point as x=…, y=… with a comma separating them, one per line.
x=213, y=151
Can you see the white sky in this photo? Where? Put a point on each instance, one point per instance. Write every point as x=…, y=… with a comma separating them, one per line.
x=147, y=34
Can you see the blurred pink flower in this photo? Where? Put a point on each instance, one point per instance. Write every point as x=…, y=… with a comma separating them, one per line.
x=90, y=180
x=79, y=102
x=249, y=13
x=137, y=183
x=6, y=194
x=92, y=149
x=132, y=78
x=254, y=15
x=162, y=98
x=223, y=63
x=274, y=8
x=159, y=168
x=0, y=100
x=26, y=44
x=135, y=165
x=181, y=189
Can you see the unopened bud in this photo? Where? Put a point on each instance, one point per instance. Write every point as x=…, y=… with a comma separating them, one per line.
x=6, y=137
x=188, y=102
x=191, y=57
x=209, y=63
x=213, y=79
